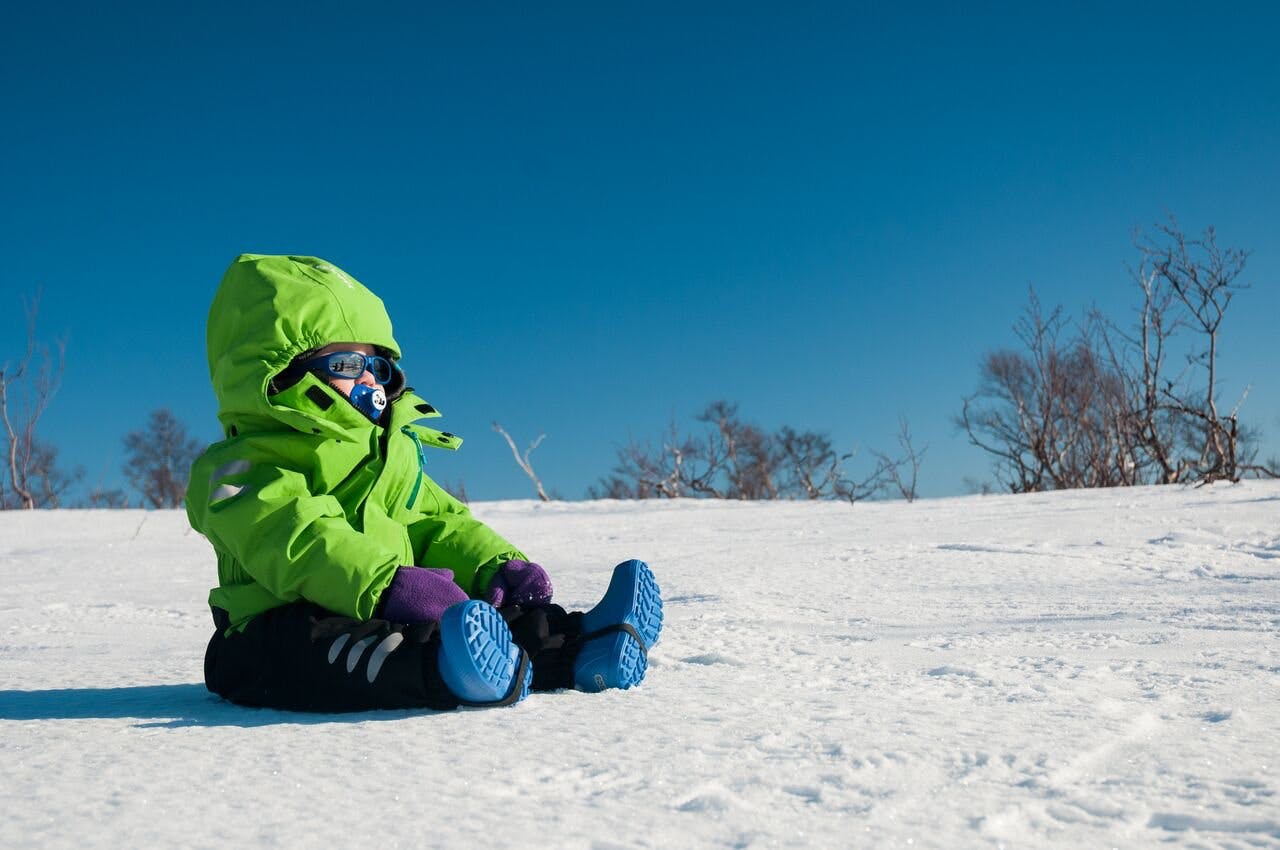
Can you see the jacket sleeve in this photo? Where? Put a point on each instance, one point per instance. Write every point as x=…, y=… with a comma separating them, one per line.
x=452, y=538
x=294, y=544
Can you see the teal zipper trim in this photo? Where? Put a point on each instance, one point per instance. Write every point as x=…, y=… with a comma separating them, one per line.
x=422, y=464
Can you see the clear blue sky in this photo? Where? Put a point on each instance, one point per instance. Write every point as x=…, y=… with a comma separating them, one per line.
x=588, y=219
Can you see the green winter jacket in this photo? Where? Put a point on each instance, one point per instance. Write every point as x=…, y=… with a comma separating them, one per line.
x=306, y=498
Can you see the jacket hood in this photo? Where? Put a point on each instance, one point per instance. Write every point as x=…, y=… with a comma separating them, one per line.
x=267, y=311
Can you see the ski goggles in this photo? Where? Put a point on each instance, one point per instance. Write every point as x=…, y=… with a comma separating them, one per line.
x=353, y=364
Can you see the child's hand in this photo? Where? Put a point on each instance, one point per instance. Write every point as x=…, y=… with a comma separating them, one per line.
x=519, y=583
x=419, y=595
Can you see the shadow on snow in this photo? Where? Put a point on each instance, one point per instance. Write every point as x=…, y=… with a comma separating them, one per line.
x=164, y=707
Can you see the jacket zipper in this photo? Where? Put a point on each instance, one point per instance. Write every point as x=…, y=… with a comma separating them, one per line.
x=422, y=464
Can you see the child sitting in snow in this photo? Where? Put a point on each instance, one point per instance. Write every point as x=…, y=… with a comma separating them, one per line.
x=347, y=579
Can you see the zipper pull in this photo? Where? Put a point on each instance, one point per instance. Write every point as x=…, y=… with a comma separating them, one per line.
x=422, y=464
x=417, y=442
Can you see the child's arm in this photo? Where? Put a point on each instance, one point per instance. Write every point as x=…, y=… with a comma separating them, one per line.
x=452, y=538
x=294, y=544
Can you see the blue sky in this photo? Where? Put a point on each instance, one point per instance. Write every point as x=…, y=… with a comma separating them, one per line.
x=588, y=220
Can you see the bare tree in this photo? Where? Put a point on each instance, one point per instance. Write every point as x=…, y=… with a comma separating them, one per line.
x=902, y=473
x=48, y=482
x=745, y=452
x=1177, y=427
x=159, y=459
x=1204, y=279
x=1139, y=357
x=1048, y=414
x=523, y=460
x=31, y=477
x=809, y=467
x=1100, y=407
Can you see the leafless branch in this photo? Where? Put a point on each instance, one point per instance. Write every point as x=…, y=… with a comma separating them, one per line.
x=523, y=460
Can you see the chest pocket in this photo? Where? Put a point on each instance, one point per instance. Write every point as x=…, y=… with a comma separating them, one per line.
x=355, y=491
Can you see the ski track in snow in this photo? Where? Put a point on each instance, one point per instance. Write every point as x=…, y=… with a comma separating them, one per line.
x=1078, y=669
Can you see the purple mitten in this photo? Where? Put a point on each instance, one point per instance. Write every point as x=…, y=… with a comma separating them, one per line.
x=418, y=595
x=519, y=583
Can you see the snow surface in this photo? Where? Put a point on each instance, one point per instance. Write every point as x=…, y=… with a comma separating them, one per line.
x=1081, y=669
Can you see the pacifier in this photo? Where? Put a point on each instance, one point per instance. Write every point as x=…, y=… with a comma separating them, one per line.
x=370, y=401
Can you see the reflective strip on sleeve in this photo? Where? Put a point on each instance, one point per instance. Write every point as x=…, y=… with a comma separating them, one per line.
x=225, y=491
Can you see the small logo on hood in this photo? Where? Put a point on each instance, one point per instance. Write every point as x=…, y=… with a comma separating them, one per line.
x=329, y=267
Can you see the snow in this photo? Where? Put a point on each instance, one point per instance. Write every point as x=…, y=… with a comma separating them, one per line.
x=1077, y=669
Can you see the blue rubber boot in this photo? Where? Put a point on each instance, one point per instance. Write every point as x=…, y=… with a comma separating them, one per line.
x=478, y=660
x=620, y=630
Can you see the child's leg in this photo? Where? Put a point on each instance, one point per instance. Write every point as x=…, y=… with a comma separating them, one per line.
x=619, y=631
x=606, y=647
x=550, y=635
x=301, y=657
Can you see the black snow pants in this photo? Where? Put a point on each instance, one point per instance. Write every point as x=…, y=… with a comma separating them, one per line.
x=301, y=657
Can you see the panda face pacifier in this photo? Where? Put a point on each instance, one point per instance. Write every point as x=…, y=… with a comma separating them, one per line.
x=370, y=401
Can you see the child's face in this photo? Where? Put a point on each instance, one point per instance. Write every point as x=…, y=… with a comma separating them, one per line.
x=346, y=385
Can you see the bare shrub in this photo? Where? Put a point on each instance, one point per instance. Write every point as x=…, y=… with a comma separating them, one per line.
x=677, y=466
x=158, y=460
x=104, y=497
x=734, y=459
x=457, y=489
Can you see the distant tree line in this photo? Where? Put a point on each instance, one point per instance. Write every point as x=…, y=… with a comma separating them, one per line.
x=729, y=458
x=1088, y=403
